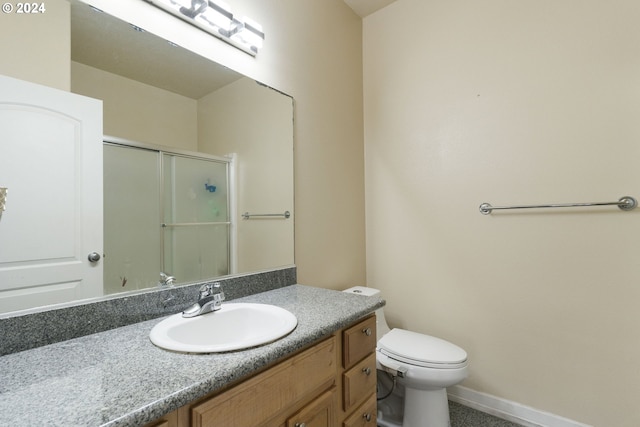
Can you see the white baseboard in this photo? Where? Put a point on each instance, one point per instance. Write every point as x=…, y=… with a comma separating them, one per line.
x=508, y=410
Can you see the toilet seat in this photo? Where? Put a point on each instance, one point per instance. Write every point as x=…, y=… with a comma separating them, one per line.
x=421, y=350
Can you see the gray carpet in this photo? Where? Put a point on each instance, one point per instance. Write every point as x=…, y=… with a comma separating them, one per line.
x=463, y=416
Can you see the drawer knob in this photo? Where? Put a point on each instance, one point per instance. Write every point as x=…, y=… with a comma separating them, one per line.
x=367, y=371
x=367, y=417
x=300, y=425
x=367, y=331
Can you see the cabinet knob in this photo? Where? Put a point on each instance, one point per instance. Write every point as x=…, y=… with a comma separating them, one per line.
x=367, y=371
x=301, y=425
x=367, y=331
x=367, y=417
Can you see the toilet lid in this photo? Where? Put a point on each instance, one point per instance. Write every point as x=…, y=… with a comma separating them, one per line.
x=421, y=350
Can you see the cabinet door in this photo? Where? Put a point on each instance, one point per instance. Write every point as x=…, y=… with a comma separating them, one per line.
x=319, y=413
x=266, y=395
x=169, y=420
x=51, y=163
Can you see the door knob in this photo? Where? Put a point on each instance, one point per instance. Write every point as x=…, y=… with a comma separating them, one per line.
x=94, y=257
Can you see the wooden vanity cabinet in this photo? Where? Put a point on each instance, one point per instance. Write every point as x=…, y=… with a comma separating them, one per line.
x=271, y=396
x=329, y=384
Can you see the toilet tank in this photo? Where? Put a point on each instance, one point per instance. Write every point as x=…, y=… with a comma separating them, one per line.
x=381, y=323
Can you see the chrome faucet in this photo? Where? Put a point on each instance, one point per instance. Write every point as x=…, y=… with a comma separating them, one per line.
x=166, y=280
x=210, y=299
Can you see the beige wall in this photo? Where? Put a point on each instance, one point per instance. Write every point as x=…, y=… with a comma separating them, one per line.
x=511, y=103
x=139, y=112
x=35, y=47
x=313, y=52
x=322, y=70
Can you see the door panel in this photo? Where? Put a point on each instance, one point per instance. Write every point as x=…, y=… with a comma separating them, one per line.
x=51, y=162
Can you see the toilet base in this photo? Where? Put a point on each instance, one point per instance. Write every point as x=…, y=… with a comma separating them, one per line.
x=426, y=408
x=390, y=411
x=411, y=407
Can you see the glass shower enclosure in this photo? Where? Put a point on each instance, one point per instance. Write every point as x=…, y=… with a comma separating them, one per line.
x=164, y=212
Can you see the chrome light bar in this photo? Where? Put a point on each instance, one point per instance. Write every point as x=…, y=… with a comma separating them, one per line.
x=216, y=18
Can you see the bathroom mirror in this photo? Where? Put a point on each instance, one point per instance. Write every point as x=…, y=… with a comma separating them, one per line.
x=157, y=94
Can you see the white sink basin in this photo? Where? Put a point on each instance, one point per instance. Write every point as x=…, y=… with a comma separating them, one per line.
x=235, y=326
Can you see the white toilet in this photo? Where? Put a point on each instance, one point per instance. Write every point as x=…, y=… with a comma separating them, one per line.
x=414, y=372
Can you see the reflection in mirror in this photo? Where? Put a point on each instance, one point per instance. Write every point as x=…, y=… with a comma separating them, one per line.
x=169, y=99
x=165, y=212
x=159, y=94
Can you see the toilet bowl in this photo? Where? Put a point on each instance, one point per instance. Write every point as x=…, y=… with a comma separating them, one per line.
x=414, y=371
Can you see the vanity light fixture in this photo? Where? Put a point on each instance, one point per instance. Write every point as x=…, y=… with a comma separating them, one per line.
x=250, y=33
x=216, y=18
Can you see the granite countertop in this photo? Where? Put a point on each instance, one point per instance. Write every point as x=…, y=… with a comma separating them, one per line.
x=119, y=378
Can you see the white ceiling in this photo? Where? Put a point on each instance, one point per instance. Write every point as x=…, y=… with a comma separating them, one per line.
x=367, y=7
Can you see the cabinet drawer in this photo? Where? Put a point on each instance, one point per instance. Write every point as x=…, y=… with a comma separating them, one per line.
x=269, y=393
x=318, y=413
x=364, y=416
x=359, y=382
x=358, y=341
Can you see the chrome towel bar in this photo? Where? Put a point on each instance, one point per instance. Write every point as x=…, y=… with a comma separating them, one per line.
x=625, y=203
x=247, y=215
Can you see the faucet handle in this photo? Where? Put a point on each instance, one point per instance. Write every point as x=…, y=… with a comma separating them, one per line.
x=210, y=299
x=212, y=289
x=218, y=295
x=205, y=290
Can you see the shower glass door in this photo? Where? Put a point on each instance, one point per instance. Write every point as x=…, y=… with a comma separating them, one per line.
x=196, y=217
x=131, y=217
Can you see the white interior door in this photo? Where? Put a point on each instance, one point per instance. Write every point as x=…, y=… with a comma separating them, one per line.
x=51, y=163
